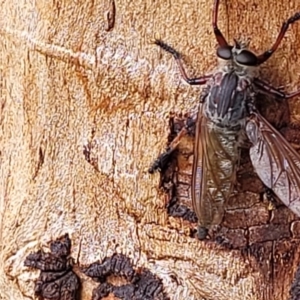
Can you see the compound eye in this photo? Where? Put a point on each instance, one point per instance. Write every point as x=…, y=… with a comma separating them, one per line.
x=225, y=52
x=246, y=58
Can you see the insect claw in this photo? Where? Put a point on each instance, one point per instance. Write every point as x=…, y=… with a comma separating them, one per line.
x=294, y=18
x=202, y=233
x=271, y=206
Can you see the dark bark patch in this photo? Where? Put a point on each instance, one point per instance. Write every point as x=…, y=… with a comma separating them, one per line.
x=140, y=284
x=56, y=280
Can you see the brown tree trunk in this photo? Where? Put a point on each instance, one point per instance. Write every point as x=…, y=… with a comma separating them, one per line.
x=70, y=75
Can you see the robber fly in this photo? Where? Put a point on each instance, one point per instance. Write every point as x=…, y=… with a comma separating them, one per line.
x=227, y=113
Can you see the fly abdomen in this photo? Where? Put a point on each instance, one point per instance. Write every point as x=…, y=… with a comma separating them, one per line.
x=216, y=155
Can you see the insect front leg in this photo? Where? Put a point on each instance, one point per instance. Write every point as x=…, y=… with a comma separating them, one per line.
x=267, y=54
x=264, y=86
x=192, y=81
x=180, y=211
x=218, y=34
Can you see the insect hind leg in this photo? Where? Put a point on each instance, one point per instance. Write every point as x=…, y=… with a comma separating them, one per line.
x=182, y=129
x=161, y=162
x=181, y=211
x=271, y=198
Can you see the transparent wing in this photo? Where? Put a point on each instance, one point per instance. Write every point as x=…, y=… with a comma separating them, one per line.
x=275, y=161
x=214, y=170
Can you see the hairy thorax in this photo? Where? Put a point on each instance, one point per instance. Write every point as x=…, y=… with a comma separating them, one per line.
x=228, y=95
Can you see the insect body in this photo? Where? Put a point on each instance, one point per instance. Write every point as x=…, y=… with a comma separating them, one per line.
x=216, y=154
x=227, y=114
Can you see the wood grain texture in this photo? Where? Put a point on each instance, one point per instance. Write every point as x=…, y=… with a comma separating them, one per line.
x=64, y=80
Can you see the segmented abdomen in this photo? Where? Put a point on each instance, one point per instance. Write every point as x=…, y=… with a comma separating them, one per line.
x=214, y=170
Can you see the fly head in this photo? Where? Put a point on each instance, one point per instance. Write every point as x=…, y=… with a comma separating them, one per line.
x=238, y=57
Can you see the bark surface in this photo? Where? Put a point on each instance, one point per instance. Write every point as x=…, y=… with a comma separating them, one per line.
x=72, y=73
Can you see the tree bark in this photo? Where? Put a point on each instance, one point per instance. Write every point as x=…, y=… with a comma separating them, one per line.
x=70, y=76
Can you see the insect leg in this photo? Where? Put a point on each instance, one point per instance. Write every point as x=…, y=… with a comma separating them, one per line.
x=192, y=81
x=202, y=233
x=181, y=211
x=267, y=54
x=271, y=198
x=271, y=90
x=218, y=34
x=163, y=159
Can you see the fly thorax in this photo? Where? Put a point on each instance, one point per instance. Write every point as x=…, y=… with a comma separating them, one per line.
x=227, y=98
